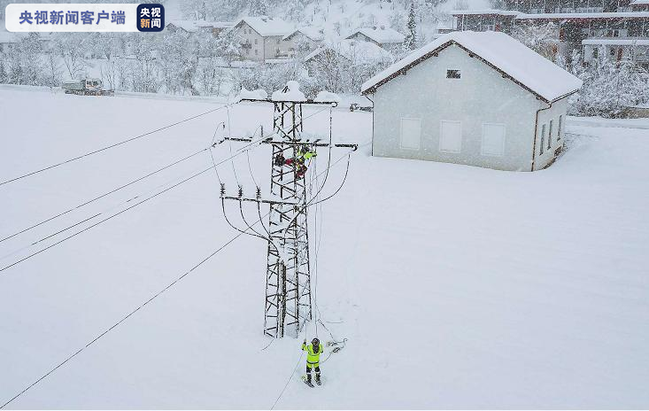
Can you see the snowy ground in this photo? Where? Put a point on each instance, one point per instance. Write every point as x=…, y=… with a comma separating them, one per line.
x=457, y=287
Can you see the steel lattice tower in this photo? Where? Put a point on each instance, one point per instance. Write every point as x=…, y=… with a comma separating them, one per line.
x=288, y=279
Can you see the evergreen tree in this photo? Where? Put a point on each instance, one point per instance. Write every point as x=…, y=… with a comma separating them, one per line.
x=411, y=38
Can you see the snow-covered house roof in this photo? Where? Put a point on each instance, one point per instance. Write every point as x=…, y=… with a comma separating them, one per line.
x=640, y=3
x=267, y=26
x=616, y=41
x=313, y=33
x=356, y=51
x=190, y=26
x=215, y=24
x=501, y=52
x=486, y=11
x=574, y=16
x=555, y=16
x=381, y=35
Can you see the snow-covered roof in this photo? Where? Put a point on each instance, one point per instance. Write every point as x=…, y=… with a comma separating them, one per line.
x=602, y=15
x=486, y=11
x=188, y=25
x=267, y=26
x=192, y=26
x=289, y=93
x=529, y=69
x=382, y=35
x=617, y=41
x=640, y=2
x=215, y=24
x=313, y=33
x=541, y=16
x=356, y=51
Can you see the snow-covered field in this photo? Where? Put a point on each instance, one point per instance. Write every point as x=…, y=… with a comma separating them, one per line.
x=457, y=287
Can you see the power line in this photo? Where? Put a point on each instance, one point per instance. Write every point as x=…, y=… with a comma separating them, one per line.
x=111, y=146
x=79, y=351
x=240, y=151
x=105, y=211
x=103, y=195
x=287, y=382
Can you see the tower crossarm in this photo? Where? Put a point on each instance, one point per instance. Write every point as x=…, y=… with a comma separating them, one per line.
x=354, y=147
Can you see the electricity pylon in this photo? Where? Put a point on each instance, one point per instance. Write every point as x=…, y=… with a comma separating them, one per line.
x=288, y=303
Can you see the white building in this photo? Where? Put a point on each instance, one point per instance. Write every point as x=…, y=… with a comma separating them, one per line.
x=8, y=41
x=199, y=26
x=382, y=36
x=301, y=41
x=261, y=37
x=617, y=49
x=356, y=52
x=481, y=99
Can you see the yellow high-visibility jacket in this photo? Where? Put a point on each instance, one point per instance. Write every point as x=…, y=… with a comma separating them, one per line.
x=312, y=357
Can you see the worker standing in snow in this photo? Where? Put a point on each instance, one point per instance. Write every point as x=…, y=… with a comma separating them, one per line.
x=313, y=351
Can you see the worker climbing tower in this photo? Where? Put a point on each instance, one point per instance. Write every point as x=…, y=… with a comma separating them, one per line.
x=288, y=302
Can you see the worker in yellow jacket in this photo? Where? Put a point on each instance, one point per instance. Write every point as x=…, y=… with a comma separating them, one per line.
x=313, y=351
x=303, y=157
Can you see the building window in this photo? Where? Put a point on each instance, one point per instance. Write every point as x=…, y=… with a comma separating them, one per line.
x=256, y=52
x=453, y=74
x=450, y=136
x=550, y=135
x=256, y=41
x=559, y=128
x=411, y=133
x=542, y=139
x=596, y=52
x=493, y=140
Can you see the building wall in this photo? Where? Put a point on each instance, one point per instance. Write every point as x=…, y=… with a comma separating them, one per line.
x=273, y=47
x=637, y=53
x=289, y=47
x=556, y=142
x=552, y=6
x=480, y=97
x=247, y=35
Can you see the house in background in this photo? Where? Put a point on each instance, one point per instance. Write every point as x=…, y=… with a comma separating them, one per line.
x=481, y=99
x=382, y=36
x=640, y=5
x=301, y=41
x=580, y=25
x=199, y=26
x=615, y=48
x=184, y=26
x=8, y=41
x=215, y=27
x=351, y=51
x=261, y=37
